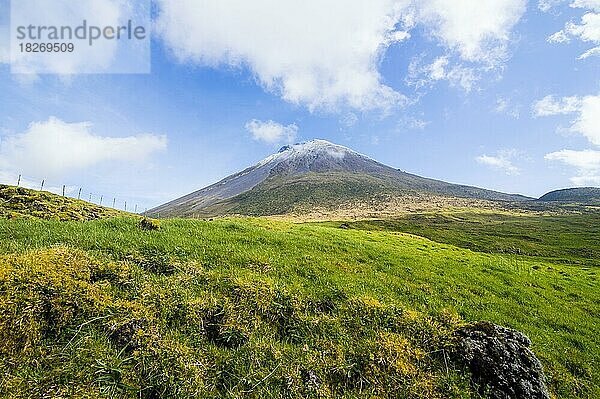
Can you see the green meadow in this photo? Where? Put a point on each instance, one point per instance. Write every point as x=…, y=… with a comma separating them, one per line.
x=260, y=308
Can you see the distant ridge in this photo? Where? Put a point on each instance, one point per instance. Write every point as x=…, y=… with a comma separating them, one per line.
x=583, y=195
x=316, y=173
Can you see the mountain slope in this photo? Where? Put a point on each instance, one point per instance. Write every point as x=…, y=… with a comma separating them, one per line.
x=315, y=173
x=585, y=195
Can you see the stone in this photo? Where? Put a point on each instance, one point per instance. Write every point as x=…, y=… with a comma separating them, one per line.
x=501, y=362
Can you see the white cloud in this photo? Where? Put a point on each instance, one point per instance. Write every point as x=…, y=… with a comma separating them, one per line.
x=588, y=30
x=586, y=162
x=328, y=57
x=547, y=5
x=559, y=37
x=550, y=105
x=437, y=70
x=587, y=122
x=504, y=106
x=478, y=30
x=349, y=120
x=502, y=161
x=412, y=123
x=54, y=148
x=501, y=105
x=456, y=75
x=315, y=55
x=589, y=4
x=593, y=52
x=272, y=132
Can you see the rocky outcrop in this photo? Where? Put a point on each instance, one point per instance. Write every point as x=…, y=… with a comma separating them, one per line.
x=501, y=362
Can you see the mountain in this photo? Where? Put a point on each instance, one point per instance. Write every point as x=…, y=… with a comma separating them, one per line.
x=584, y=195
x=316, y=174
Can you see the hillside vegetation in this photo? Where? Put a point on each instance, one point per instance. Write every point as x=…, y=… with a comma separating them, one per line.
x=317, y=195
x=589, y=195
x=257, y=308
x=569, y=238
x=18, y=202
x=122, y=308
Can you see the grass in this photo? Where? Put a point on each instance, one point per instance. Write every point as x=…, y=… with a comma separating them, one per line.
x=259, y=308
x=570, y=238
x=22, y=203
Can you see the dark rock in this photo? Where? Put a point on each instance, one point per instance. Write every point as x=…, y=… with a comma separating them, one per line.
x=344, y=226
x=501, y=362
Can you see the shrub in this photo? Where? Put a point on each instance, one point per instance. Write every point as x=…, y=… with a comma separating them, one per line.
x=149, y=224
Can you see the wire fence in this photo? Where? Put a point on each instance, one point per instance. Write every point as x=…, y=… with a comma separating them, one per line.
x=75, y=192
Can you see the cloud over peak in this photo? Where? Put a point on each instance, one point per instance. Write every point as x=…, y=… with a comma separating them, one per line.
x=272, y=132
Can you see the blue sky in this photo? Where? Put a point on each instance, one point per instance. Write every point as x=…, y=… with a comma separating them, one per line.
x=504, y=95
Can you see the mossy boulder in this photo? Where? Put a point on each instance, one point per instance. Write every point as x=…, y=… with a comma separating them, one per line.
x=501, y=362
x=149, y=224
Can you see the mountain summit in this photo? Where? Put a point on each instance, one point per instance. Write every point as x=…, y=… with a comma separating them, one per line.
x=313, y=174
x=319, y=156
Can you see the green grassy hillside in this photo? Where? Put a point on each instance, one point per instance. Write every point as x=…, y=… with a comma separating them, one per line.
x=257, y=308
x=570, y=238
x=18, y=202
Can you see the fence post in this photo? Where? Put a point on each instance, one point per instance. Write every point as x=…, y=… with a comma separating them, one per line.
x=125, y=206
x=135, y=211
x=101, y=197
x=19, y=181
x=79, y=195
x=42, y=186
x=63, y=190
x=90, y=198
x=114, y=202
